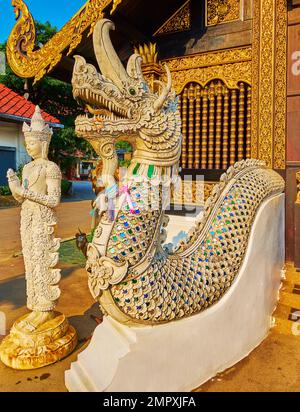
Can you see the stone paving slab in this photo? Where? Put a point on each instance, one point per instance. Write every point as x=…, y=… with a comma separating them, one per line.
x=75, y=302
x=71, y=216
x=273, y=366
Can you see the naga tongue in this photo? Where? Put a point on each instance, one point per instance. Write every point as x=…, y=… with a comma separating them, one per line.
x=98, y=112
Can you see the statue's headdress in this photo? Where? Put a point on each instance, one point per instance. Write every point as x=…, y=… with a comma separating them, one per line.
x=38, y=129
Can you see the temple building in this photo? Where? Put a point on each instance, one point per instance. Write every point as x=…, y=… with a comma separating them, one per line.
x=14, y=110
x=235, y=66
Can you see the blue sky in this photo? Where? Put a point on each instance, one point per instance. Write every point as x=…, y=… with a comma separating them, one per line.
x=58, y=12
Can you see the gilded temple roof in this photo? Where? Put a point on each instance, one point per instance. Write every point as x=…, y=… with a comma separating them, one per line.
x=137, y=22
x=28, y=62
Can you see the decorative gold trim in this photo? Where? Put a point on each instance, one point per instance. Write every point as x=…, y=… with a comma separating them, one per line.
x=184, y=153
x=179, y=21
x=248, y=120
x=191, y=121
x=255, y=79
x=115, y=5
x=27, y=62
x=298, y=188
x=222, y=11
x=214, y=58
x=266, y=103
x=241, y=122
x=233, y=126
x=226, y=129
x=204, y=148
x=269, y=82
x=198, y=127
x=280, y=126
x=229, y=74
x=230, y=66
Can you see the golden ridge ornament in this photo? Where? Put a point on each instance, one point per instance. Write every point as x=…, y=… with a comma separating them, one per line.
x=28, y=62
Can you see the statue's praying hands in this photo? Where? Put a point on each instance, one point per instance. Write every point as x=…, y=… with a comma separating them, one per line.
x=15, y=185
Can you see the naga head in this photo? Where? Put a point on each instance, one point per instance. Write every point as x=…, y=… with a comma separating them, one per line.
x=120, y=102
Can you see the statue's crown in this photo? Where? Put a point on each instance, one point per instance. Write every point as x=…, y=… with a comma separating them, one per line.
x=38, y=129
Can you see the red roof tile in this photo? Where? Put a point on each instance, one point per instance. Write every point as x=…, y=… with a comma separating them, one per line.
x=15, y=105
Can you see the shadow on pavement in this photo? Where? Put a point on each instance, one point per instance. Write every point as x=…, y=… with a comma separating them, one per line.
x=86, y=324
x=13, y=291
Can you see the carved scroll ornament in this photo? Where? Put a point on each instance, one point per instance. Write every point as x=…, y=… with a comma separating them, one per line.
x=22, y=55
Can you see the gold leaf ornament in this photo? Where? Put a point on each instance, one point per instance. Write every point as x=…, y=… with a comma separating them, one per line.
x=29, y=62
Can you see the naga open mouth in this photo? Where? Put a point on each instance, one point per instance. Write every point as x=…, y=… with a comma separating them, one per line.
x=99, y=107
x=116, y=100
x=101, y=114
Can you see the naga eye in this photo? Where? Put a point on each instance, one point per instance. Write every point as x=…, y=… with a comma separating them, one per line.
x=132, y=91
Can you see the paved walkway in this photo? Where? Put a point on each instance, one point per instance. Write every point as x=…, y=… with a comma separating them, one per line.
x=75, y=302
x=71, y=216
x=81, y=191
x=273, y=366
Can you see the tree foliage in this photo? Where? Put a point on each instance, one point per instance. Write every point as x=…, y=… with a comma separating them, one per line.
x=44, y=32
x=9, y=78
x=56, y=98
x=124, y=146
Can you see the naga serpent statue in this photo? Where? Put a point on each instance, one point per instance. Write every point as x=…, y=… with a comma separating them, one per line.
x=136, y=280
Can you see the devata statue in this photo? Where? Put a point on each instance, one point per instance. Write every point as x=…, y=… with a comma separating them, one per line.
x=32, y=342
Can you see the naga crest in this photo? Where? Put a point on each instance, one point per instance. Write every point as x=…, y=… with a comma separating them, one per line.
x=120, y=103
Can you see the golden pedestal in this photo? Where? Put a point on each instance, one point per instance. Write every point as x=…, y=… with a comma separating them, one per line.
x=49, y=343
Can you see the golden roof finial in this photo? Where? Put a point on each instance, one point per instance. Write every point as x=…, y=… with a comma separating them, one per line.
x=148, y=52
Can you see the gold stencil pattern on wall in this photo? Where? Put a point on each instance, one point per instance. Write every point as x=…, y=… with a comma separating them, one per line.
x=231, y=66
x=268, y=141
x=222, y=11
x=280, y=85
x=179, y=21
